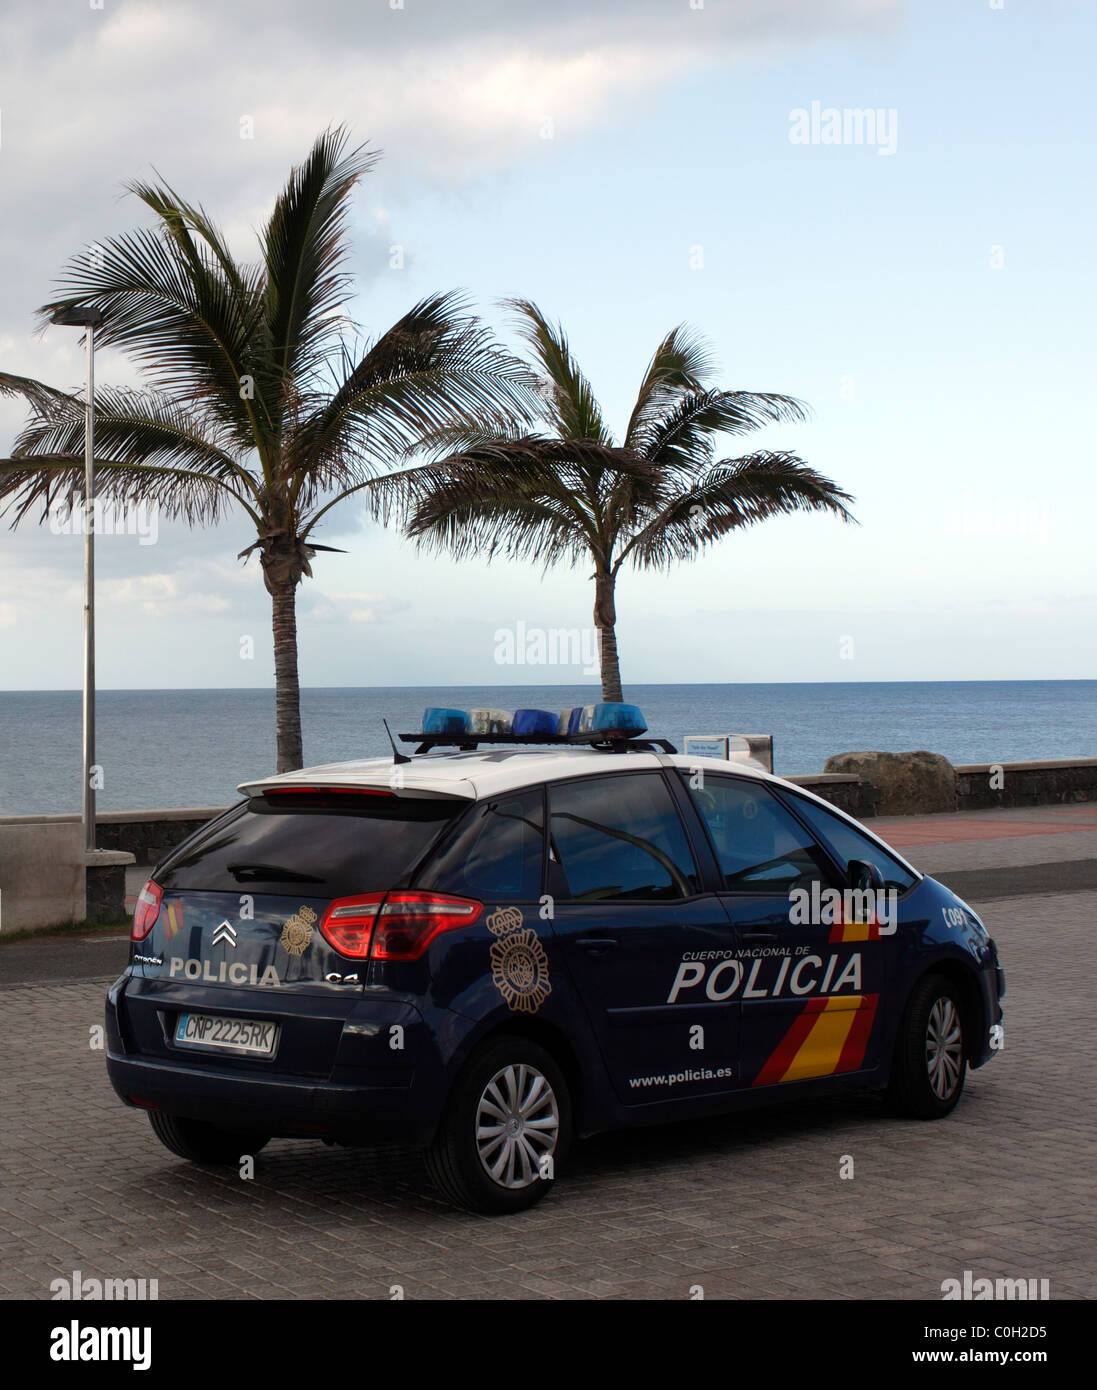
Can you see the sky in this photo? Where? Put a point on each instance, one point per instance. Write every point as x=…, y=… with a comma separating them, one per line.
x=928, y=292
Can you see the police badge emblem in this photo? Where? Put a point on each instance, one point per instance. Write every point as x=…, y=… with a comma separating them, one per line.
x=519, y=966
x=297, y=932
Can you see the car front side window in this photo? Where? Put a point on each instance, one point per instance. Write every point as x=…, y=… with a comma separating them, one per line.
x=846, y=842
x=759, y=846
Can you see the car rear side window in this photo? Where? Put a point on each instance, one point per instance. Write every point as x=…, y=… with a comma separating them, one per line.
x=845, y=842
x=620, y=837
x=759, y=845
x=496, y=855
x=331, y=846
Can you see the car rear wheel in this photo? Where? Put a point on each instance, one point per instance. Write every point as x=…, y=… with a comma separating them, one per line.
x=927, y=1075
x=506, y=1130
x=204, y=1143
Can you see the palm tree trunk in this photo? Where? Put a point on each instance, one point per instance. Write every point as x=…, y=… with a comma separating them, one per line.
x=287, y=693
x=605, y=622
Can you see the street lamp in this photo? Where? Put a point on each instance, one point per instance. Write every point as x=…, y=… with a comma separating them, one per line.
x=89, y=320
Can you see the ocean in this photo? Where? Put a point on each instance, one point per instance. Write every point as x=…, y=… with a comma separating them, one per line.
x=163, y=748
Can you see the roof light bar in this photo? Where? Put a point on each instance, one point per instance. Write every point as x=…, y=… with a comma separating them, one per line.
x=608, y=724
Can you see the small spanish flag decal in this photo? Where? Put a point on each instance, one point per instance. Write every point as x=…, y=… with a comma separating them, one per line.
x=826, y=1037
x=173, y=920
x=856, y=928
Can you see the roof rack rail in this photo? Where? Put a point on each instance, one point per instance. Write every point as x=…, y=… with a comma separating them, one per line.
x=600, y=742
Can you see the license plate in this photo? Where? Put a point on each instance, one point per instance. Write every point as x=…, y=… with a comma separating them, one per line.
x=226, y=1034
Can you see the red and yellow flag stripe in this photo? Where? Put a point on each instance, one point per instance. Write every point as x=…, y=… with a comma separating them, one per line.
x=827, y=1036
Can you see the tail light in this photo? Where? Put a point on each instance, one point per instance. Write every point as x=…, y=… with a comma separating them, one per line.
x=146, y=911
x=394, y=926
x=348, y=924
x=409, y=922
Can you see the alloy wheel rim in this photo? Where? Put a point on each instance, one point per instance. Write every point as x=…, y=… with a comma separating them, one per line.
x=944, y=1048
x=517, y=1125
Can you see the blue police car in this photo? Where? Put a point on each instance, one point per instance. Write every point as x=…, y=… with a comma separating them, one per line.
x=536, y=927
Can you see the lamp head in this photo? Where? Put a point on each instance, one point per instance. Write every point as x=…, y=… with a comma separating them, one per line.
x=78, y=318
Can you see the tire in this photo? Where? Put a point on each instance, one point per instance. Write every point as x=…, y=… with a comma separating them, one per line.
x=204, y=1143
x=927, y=1071
x=508, y=1076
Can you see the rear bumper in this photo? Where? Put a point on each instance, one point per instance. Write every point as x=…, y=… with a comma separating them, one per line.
x=336, y=1074
x=273, y=1106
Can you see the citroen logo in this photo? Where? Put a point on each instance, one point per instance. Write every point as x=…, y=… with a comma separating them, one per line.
x=225, y=932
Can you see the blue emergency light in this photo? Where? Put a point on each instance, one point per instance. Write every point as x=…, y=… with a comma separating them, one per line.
x=533, y=723
x=609, y=721
x=445, y=721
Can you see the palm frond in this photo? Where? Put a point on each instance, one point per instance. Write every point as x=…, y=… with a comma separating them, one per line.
x=148, y=448
x=50, y=479
x=305, y=250
x=187, y=322
x=179, y=219
x=544, y=463
x=733, y=493
x=570, y=403
x=682, y=362
x=138, y=427
x=436, y=368
x=683, y=438
x=36, y=393
x=494, y=478
x=467, y=524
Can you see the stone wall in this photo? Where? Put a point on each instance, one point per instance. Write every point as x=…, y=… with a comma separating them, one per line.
x=148, y=835
x=41, y=872
x=47, y=879
x=898, y=784
x=846, y=791
x=1047, y=783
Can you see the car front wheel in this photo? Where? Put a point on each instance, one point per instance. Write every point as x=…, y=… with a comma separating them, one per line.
x=506, y=1130
x=927, y=1075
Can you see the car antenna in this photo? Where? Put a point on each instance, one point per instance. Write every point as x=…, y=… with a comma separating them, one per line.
x=397, y=756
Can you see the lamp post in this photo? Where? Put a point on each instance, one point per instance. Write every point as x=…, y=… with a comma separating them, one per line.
x=89, y=320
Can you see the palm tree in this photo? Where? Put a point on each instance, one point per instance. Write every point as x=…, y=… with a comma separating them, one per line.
x=658, y=496
x=257, y=398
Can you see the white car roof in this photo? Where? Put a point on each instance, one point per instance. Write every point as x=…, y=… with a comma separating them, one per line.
x=484, y=772
x=492, y=770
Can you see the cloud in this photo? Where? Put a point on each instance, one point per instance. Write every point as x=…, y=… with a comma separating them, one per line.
x=159, y=596
x=320, y=607
x=451, y=92
x=96, y=97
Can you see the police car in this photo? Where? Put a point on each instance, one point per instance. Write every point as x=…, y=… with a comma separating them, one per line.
x=536, y=927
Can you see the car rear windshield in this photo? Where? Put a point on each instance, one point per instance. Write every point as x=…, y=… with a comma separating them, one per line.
x=332, y=846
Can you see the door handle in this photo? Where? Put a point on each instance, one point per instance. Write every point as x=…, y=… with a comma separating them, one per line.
x=760, y=934
x=596, y=945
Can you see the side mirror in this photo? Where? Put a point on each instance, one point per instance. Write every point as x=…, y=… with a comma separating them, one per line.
x=863, y=874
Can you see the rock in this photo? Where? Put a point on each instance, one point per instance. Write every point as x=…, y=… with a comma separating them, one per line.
x=904, y=783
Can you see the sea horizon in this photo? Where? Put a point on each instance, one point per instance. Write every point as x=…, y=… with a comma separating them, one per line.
x=167, y=746
x=547, y=685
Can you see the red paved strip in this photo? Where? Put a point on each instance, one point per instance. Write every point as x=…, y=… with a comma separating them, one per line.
x=934, y=832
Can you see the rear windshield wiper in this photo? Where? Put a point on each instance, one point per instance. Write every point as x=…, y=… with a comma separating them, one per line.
x=272, y=873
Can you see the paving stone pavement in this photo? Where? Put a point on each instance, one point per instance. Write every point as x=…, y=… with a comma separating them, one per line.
x=748, y=1206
